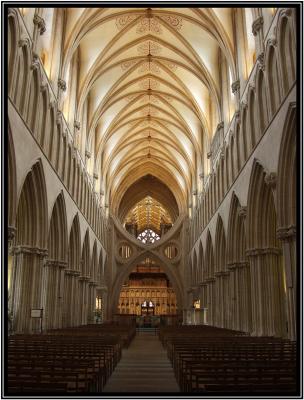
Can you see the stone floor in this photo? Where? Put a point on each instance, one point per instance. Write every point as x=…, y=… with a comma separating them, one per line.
x=143, y=368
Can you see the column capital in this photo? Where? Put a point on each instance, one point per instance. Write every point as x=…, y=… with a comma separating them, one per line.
x=23, y=249
x=261, y=61
x=56, y=263
x=262, y=251
x=242, y=212
x=220, y=125
x=286, y=233
x=286, y=12
x=222, y=273
x=244, y=104
x=62, y=84
x=11, y=232
x=35, y=64
x=238, y=264
x=237, y=116
x=72, y=272
x=84, y=278
x=43, y=87
x=257, y=25
x=271, y=179
x=40, y=22
x=232, y=266
x=272, y=41
x=77, y=125
x=235, y=86
x=23, y=42
x=59, y=117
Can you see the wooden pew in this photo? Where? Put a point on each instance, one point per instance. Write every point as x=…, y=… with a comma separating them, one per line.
x=209, y=359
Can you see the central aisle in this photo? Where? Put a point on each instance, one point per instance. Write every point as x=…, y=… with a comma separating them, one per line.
x=144, y=367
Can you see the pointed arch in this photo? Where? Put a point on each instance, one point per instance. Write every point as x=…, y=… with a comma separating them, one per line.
x=43, y=119
x=286, y=193
x=261, y=211
x=200, y=262
x=57, y=260
x=209, y=257
x=220, y=246
x=194, y=268
x=287, y=49
x=236, y=243
x=252, y=120
x=265, y=255
x=74, y=245
x=22, y=75
x=176, y=284
x=262, y=105
x=272, y=73
x=100, y=272
x=94, y=263
x=33, y=100
x=85, y=256
x=287, y=209
x=32, y=219
x=244, y=139
x=12, y=188
x=221, y=287
x=13, y=39
x=58, y=236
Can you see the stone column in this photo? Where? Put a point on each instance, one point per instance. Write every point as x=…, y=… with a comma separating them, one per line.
x=10, y=277
x=11, y=237
x=92, y=301
x=218, y=299
x=11, y=233
x=288, y=237
x=244, y=296
x=27, y=287
x=234, y=302
x=103, y=290
x=225, y=297
x=84, y=299
x=268, y=298
x=203, y=295
x=60, y=294
x=210, y=300
x=223, y=300
x=54, y=282
x=49, y=275
x=70, y=298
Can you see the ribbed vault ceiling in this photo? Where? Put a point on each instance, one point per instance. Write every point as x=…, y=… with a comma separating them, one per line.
x=148, y=90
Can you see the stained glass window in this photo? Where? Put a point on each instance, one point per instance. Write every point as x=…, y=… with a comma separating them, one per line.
x=148, y=236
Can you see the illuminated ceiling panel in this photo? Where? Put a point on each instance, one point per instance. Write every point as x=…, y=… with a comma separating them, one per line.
x=148, y=214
